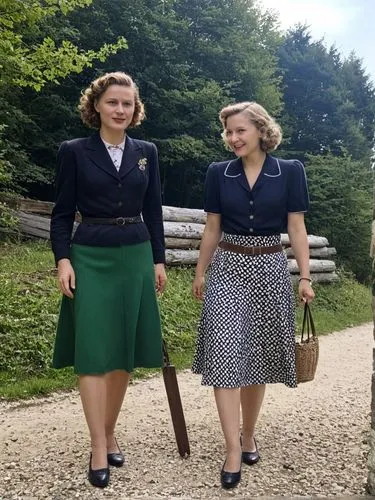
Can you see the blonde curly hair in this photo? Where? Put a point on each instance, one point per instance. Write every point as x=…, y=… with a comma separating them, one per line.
x=270, y=130
x=92, y=94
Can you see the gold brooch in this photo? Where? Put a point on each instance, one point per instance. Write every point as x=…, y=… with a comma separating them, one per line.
x=142, y=164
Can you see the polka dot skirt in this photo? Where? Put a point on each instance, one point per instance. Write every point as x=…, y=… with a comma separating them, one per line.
x=246, y=333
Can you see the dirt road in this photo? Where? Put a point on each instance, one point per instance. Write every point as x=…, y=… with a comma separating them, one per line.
x=313, y=440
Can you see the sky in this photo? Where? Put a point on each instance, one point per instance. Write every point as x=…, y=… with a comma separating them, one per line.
x=347, y=24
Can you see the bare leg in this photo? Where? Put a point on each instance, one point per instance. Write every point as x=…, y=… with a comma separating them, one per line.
x=228, y=406
x=92, y=389
x=251, y=402
x=116, y=384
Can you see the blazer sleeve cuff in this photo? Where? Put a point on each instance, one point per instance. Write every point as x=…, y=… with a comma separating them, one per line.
x=159, y=256
x=61, y=255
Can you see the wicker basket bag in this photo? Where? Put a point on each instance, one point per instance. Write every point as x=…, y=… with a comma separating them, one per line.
x=307, y=350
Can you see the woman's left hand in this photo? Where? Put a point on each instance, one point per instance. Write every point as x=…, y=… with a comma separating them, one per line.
x=160, y=278
x=305, y=291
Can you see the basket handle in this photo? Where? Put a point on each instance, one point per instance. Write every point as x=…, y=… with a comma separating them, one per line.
x=308, y=323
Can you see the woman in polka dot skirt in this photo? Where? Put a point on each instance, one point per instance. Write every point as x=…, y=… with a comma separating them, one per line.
x=247, y=329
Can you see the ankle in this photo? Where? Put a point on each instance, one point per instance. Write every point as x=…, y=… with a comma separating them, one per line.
x=110, y=435
x=233, y=448
x=232, y=461
x=98, y=445
x=112, y=445
x=248, y=443
x=98, y=458
x=247, y=433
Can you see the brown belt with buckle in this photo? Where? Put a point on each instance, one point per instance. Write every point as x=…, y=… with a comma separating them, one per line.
x=231, y=247
x=117, y=221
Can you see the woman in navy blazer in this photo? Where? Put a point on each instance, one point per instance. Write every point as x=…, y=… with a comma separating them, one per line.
x=109, y=320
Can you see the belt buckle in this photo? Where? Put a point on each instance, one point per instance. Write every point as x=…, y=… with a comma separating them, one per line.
x=120, y=221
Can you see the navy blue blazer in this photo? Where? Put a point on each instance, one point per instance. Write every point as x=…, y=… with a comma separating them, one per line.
x=88, y=181
x=280, y=188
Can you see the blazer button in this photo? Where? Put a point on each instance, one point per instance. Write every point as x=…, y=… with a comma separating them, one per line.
x=251, y=216
x=251, y=202
x=119, y=185
x=120, y=203
x=251, y=230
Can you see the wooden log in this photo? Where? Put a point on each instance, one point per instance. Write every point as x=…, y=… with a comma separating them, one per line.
x=314, y=241
x=183, y=230
x=317, y=253
x=36, y=206
x=317, y=241
x=316, y=266
x=319, y=278
x=190, y=257
x=26, y=204
x=182, y=243
x=177, y=214
x=34, y=225
x=181, y=257
x=195, y=231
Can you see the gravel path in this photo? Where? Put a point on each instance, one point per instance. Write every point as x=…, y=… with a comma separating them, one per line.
x=313, y=440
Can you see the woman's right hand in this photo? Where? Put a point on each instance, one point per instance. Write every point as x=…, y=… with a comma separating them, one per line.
x=66, y=277
x=198, y=287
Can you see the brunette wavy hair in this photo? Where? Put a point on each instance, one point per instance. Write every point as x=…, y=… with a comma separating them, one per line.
x=92, y=94
x=270, y=131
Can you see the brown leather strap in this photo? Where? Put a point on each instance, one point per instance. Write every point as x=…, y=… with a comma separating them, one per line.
x=231, y=247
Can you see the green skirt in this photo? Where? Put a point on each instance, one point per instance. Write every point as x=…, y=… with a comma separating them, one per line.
x=113, y=321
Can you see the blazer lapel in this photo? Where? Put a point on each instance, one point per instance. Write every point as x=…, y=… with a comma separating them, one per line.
x=130, y=158
x=98, y=154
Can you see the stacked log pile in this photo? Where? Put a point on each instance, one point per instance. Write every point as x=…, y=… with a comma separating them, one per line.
x=183, y=231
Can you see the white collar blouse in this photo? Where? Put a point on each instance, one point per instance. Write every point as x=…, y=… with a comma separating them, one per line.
x=116, y=152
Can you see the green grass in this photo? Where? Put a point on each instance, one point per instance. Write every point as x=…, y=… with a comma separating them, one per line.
x=16, y=385
x=25, y=258
x=339, y=305
x=29, y=302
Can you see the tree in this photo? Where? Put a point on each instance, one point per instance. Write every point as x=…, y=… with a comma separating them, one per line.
x=27, y=65
x=29, y=58
x=341, y=200
x=329, y=103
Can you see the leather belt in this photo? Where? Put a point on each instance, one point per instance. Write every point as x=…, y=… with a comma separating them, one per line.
x=231, y=247
x=117, y=221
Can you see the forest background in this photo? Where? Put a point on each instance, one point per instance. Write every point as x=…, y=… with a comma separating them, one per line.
x=190, y=58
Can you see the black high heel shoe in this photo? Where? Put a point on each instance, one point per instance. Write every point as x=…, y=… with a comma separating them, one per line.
x=229, y=479
x=116, y=459
x=98, y=477
x=251, y=457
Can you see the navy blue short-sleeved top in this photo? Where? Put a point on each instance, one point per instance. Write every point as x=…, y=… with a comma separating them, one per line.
x=281, y=188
